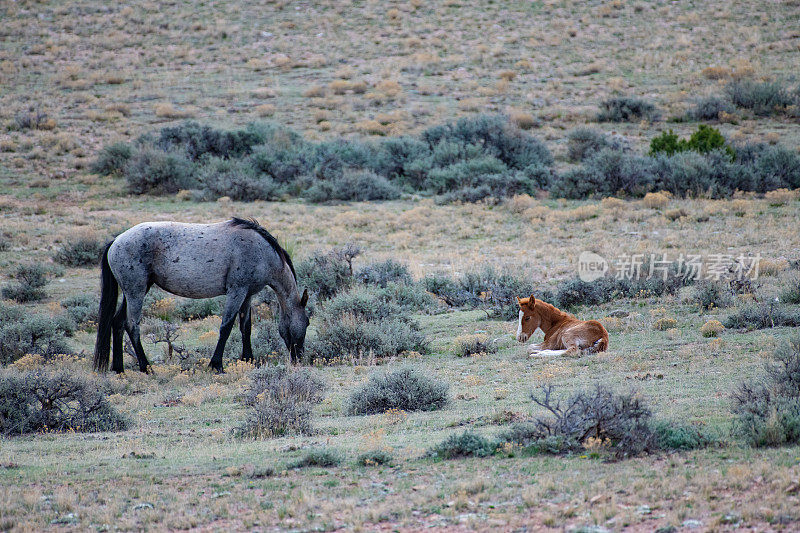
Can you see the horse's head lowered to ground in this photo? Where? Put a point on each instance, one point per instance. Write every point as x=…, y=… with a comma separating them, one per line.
x=292, y=327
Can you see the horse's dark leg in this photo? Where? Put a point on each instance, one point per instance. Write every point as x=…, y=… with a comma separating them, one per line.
x=117, y=328
x=134, y=316
x=245, y=326
x=233, y=304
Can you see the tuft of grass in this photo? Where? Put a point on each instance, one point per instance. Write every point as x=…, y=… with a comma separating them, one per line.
x=322, y=457
x=375, y=458
x=467, y=444
x=405, y=389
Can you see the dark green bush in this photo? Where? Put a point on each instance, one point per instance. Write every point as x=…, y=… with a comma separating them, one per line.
x=196, y=140
x=324, y=457
x=626, y=109
x=406, y=389
x=763, y=98
x=112, y=159
x=676, y=436
x=709, y=108
x=280, y=401
x=606, y=173
x=706, y=139
x=82, y=309
x=384, y=272
x=763, y=315
x=54, y=401
x=81, y=251
x=467, y=444
x=768, y=409
x=150, y=170
x=29, y=286
x=375, y=458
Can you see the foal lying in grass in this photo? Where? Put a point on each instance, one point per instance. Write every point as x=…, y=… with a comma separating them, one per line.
x=562, y=332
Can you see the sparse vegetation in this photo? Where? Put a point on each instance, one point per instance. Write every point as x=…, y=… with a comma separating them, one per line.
x=467, y=444
x=29, y=285
x=37, y=401
x=626, y=109
x=406, y=389
x=80, y=252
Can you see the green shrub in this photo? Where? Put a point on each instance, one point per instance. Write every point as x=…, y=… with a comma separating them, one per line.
x=763, y=315
x=529, y=436
x=791, y=294
x=22, y=333
x=711, y=294
x=406, y=389
x=150, y=170
x=412, y=298
x=706, y=139
x=323, y=457
x=237, y=180
x=267, y=343
x=375, y=458
x=196, y=140
x=79, y=252
x=606, y=173
x=582, y=142
x=709, y=108
x=763, y=98
x=668, y=143
x=194, y=309
x=384, y=272
x=112, y=159
x=626, y=109
x=467, y=444
x=326, y=274
x=280, y=401
x=54, y=401
x=29, y=286
x=768, y=410
x=81, y=308
x=353, y=185
x=675, y=436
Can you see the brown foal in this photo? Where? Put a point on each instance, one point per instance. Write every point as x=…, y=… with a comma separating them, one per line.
x=562, y=332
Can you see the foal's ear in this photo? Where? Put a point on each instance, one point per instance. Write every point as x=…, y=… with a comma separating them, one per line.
x=304, y=299
x=519, y=301
x=532, y=302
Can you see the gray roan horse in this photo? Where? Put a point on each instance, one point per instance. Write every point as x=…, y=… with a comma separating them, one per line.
x=236, y=258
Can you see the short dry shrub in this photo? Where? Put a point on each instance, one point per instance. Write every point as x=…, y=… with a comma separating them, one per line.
x=81, y=308
x=619, y=421
x=762, y=316
x=768, y=409
x=384, y=272
x=626, y=109
x=375, y=458
x=468, y=345
x=664, y=323
x=280, y=401
x=406, y=389
x=324, y=457
x=29, y=285
x=81, y=251
x=656, y=200
x=40, y=401
x=467, y=444
x=712, y=328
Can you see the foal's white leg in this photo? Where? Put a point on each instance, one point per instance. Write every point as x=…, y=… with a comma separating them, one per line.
x=548, y=353
x=534, y=347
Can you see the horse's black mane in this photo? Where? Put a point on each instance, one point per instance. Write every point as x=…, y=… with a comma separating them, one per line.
x=258, y=228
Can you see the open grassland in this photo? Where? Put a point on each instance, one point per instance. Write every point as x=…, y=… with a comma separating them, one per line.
x=95, y=74
x=180, y=466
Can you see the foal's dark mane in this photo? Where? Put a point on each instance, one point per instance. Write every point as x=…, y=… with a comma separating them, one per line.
x=258, y=228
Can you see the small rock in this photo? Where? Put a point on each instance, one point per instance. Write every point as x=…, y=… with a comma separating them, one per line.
x=221, y=494
x=145, y=505
x=643, y=510
x=692, y=524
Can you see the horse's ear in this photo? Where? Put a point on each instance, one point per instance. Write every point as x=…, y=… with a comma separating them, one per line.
x=304, y=299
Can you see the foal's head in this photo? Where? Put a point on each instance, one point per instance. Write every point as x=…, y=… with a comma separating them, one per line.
x=529, y=318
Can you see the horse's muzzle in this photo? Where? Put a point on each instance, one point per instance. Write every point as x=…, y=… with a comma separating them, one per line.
x=522, y=337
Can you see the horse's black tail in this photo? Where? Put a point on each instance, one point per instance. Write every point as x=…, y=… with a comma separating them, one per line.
x=108, y=306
